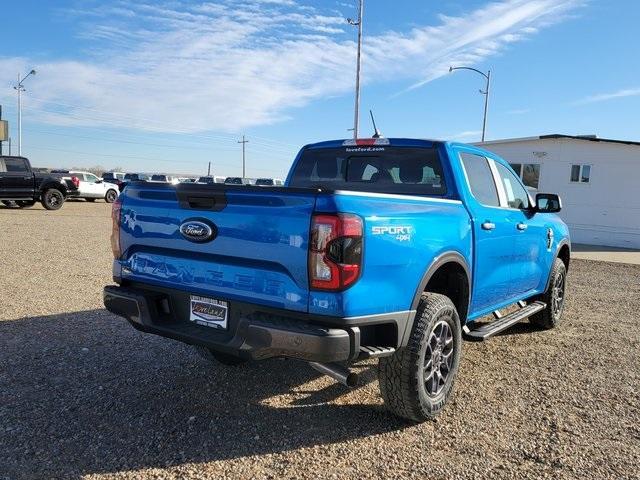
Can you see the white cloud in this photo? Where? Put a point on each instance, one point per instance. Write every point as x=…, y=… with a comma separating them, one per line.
x=466, y=135
x=165, y=67
x=603, y=97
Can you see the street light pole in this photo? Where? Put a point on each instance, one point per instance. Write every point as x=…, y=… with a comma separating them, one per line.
x=20, y=88
x=358, y=23
x=486, y=93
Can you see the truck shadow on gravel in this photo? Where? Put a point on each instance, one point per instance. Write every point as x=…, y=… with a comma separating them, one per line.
x=84, y=393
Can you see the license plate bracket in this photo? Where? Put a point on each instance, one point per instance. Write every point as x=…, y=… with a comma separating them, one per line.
x=209, y=312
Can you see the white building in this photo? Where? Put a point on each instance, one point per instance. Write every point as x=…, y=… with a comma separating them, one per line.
x=598, y=180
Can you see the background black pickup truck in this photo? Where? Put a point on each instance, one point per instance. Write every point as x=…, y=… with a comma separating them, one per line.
x=19, y=184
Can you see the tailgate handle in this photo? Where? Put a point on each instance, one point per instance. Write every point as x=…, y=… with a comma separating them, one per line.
x=201, y=202
x=201, y=197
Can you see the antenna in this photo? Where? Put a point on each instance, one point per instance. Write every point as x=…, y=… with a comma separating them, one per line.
x=376, y=132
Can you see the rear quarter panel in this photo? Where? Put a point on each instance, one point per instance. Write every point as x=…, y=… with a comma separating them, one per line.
x=402, y=237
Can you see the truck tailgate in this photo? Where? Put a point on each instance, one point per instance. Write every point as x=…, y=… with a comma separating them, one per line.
x=258, y=252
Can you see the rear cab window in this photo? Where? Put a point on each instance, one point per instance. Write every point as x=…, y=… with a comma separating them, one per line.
x=13, y=165
x=388, y=169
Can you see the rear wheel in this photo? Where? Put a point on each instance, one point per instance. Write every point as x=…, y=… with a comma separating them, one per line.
x=52, y=199
x=223, y=358
x=554, y=297
x=417, y=380
x=110, y=196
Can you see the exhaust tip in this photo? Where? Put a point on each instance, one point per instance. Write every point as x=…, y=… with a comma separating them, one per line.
x=337, y=372
x=352, y=380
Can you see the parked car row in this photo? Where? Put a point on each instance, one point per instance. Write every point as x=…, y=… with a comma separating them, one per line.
x=22, y=186
x=120, y=178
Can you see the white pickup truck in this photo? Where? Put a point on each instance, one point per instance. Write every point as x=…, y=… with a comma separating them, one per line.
x=91, y=187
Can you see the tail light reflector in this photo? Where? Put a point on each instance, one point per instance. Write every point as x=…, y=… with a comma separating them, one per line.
x=116, y=212
x=335, y=252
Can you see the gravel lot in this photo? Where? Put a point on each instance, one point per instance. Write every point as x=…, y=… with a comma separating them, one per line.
x=84, y=395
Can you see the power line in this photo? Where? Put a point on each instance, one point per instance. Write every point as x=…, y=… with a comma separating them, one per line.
x=202, y=147
x=102, y=117
x=164, y=160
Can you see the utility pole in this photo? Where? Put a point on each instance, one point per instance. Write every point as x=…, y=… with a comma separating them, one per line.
x=358, y=23
x=20, y=88
x=243, y=142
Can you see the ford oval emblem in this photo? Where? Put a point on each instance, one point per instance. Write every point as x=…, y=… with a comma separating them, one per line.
x=197, y=231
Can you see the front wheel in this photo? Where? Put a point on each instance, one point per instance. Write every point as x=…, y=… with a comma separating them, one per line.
x=417, y=380
x=110, y=196
x=52, y=199
x=554, y=297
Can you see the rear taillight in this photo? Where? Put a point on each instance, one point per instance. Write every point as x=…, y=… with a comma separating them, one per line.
x=116, y=211
x=76, y=181
x=335, y=251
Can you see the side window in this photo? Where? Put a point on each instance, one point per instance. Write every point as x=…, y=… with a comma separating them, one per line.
x=517, y=196
x=480, y=179
x=580, y=173
x=90, y=177
x=15, y=165
x=529, y=173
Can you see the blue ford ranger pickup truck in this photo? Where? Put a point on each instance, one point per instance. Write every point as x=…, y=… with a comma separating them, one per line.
x=377, y=248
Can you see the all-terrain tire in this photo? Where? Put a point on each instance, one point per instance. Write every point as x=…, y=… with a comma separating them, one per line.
x=554, y=297
x=52, y=199
x=404, y=377
x=222, y=358
x=110, y=196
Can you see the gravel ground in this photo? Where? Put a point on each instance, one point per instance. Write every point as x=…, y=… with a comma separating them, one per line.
x=84, y=395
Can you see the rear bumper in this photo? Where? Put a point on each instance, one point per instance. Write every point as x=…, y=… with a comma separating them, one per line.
x=252, y=333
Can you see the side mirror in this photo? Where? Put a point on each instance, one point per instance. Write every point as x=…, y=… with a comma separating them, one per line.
x=98, y=181
x=548, y=203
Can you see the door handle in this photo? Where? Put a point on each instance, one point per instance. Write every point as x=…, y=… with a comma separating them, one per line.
x=488, y=226
x=522, y=226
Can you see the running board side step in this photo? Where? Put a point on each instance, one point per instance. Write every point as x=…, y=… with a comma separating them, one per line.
x=367, y=351
x=490, y=329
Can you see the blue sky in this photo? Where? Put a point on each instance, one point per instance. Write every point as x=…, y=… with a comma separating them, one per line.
x=170, y=86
